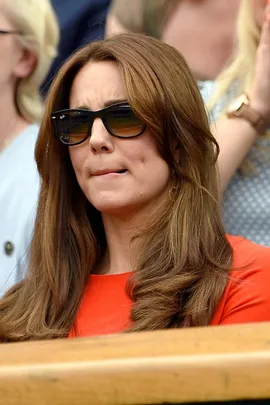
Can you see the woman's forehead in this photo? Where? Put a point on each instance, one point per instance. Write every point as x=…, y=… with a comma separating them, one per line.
x=5, y=16
x=96, y=83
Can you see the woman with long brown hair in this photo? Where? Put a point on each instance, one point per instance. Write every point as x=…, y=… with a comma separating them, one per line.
x=128, y=235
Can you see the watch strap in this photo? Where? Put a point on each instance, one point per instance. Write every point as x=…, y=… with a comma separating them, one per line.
x=259, y=123
x=240, y=108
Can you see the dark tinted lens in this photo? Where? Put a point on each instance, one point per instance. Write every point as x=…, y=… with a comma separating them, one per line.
x=72, y=126
x=123, y=122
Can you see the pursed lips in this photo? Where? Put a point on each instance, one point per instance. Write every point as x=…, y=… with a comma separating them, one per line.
x=109, y=172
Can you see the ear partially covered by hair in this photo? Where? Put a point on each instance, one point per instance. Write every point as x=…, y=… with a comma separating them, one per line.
x=26, y=64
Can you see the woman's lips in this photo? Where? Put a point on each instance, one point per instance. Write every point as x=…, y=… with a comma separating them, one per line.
x=109, y=173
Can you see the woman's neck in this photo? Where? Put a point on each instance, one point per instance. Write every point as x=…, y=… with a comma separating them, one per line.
x=11, y=122
x=121, y=248
x=122, y=235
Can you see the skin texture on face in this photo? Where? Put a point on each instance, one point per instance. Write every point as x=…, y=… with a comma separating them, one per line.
x=10, y=52
x=16, y=63
x=145, y=180
x=259, y=10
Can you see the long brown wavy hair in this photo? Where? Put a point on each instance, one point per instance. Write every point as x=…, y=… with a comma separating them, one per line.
x=185, y=257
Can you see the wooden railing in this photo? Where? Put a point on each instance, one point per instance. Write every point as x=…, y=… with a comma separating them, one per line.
x=174, y=366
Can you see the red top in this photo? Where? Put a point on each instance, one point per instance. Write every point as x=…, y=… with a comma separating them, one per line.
x=105, y=306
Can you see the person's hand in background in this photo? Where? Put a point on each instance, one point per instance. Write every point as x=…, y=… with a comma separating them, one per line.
x=260, y=89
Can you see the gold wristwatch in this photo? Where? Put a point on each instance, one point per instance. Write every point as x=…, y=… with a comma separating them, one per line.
x=240, y=108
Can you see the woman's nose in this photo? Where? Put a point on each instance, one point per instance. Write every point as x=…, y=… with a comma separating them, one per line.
x=100, y=140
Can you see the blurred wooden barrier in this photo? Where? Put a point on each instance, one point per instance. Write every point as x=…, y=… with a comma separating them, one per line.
x=173, y=366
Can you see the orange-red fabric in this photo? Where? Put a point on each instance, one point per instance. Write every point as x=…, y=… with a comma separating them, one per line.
x=105, y=306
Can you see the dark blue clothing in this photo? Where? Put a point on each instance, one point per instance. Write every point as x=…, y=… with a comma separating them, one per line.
x=81, y=21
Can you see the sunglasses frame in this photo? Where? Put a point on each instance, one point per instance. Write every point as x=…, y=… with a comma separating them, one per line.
x=92, y=115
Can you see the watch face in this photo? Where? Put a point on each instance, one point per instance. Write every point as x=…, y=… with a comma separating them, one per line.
x=237, y=104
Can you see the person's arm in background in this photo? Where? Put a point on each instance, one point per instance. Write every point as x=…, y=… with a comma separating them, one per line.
x=124, y=16
x=237, y=136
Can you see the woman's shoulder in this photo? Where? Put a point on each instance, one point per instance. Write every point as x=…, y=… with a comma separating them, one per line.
x=206, y=88
x=247, y=253
x=247, y=295
x=27, y=139
x=32, y=130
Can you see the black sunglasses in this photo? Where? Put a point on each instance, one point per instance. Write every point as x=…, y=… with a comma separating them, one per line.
x=73, y=126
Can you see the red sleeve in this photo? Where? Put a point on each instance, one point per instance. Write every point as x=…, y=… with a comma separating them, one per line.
x=247, y=296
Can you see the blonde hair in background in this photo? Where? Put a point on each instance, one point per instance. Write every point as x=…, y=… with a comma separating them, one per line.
x=240, y=70
x=37, y=22
x=239, y=73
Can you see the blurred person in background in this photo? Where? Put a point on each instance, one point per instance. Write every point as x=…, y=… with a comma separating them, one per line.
x=81, y=22
x=203, y=31
x=239, y=103
x=28, y=41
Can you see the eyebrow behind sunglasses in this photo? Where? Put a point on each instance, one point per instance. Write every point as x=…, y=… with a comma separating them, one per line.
x=108, y=103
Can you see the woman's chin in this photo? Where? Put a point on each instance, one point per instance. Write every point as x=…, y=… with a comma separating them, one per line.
x=117, y=208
